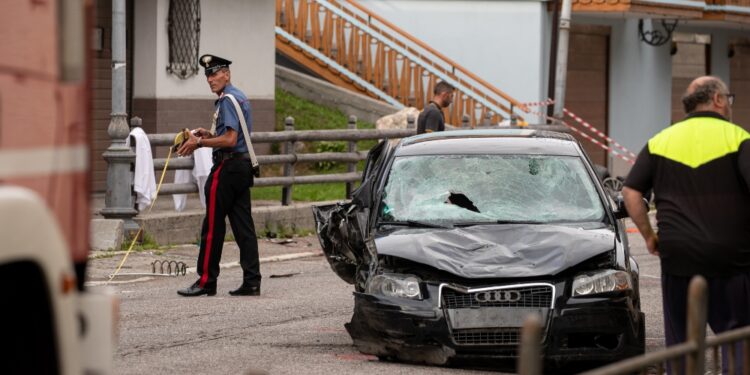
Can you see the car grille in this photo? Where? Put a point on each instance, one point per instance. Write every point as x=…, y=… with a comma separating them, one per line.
x=494, y=336
x=534, y=296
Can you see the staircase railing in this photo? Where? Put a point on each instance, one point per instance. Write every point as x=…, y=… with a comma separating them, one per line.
x=349, y=45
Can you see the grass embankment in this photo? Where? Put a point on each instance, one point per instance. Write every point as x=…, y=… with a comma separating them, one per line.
x=310, y=116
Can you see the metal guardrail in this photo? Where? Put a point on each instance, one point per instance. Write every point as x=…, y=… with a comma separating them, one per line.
x=689, y=356
x=289, y=137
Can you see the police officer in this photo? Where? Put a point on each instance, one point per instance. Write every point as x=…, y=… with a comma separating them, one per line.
x=227, y=187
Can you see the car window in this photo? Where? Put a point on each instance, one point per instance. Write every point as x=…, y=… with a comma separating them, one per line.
x=479, y=188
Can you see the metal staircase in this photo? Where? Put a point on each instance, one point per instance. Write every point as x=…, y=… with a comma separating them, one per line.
x=346, y=44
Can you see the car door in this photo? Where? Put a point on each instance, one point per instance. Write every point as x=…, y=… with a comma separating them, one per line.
x=342, y=228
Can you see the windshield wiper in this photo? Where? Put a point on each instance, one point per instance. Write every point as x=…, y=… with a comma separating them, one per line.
x=415, y=223
x=473, y=223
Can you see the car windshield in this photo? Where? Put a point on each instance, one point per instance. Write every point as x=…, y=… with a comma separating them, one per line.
x=490, y=189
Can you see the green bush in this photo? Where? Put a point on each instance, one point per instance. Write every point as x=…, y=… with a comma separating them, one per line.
x=329, y=146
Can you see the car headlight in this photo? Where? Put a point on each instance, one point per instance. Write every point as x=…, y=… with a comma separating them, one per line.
x=395, y=285
x=601, y=282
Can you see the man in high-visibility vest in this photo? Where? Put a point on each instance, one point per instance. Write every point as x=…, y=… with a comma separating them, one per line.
x=699, y=169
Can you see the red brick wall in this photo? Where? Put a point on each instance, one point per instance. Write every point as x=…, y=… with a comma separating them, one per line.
x=740, y=84
x=587, y=83
x=687, y=64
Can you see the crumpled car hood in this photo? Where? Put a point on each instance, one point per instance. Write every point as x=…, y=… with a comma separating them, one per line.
x=488, y=251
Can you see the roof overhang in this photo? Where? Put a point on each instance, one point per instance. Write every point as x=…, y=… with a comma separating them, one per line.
x=672, y=9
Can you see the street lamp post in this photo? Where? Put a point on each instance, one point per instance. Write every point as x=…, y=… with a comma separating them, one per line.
x=118, y=200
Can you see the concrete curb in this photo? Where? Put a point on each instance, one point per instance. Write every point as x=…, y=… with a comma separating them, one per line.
x=184, y=227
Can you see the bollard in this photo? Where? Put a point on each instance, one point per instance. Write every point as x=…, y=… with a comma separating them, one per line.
x=410, y=122
x=286, y=191
x=465, y=121
x=351, y=166
x=487, y=121
x=696, y=324
x=529, y=358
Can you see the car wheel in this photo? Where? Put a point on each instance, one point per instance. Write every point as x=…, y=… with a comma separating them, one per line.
x=613, y=186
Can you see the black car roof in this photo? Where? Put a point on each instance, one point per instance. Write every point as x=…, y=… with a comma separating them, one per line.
x=490, y=141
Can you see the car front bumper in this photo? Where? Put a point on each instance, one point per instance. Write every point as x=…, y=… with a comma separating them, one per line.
x=602, y=329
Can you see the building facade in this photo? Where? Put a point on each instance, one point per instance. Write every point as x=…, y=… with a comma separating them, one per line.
x=620, y=84
x=166, y=87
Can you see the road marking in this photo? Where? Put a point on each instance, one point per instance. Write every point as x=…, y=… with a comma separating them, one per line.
x=276, y=258
x=651, y=276
x=99, y=283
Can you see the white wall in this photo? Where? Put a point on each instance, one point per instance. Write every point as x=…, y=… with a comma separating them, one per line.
x=720, y=55
x=504, y=42
x=640, y=89
x=239, y=30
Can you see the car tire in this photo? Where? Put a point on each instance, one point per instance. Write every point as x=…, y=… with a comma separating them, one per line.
x=642, y=334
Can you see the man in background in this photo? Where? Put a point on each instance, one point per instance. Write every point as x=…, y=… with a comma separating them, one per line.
x=432, y=119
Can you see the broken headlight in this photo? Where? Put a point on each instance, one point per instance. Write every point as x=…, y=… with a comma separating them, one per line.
x=601, y=282
x=395, y=285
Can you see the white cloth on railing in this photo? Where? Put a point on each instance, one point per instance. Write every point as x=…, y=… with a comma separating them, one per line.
x=144, y=182
x=198, y=175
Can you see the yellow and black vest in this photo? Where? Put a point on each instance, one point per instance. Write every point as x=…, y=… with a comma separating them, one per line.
x=699, y=170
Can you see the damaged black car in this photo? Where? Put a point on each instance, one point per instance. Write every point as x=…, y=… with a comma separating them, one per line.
x=454, y=238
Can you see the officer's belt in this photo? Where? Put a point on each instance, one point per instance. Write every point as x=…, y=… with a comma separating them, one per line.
x=219, y=156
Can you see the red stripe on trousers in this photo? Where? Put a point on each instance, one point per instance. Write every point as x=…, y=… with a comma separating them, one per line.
x=210, y=236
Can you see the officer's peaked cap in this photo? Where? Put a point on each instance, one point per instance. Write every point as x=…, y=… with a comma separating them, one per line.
x=213, y=63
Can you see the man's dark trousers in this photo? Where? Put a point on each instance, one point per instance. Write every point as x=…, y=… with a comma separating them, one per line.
x=728, y=309
x=227, y=194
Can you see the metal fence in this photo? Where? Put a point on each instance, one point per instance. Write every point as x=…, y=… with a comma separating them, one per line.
x=288, y=138
x=697, y=355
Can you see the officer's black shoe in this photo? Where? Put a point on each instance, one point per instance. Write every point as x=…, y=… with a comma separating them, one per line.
x=194, y=291
x=246, y=290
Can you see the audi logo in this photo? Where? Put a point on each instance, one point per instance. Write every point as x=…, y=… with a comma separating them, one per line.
x=498, y=296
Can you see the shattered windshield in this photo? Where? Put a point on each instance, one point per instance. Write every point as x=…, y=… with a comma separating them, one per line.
x=490, y=188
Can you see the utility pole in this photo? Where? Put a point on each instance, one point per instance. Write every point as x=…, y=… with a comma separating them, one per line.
x=562, y=59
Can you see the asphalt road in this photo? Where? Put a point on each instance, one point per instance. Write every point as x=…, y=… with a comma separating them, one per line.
x=295, y=327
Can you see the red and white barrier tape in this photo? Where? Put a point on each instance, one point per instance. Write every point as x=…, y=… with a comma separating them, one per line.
x=590, y=138
x=594, y=141
x=598, y=132
x=630, y=158
x=539, y=104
